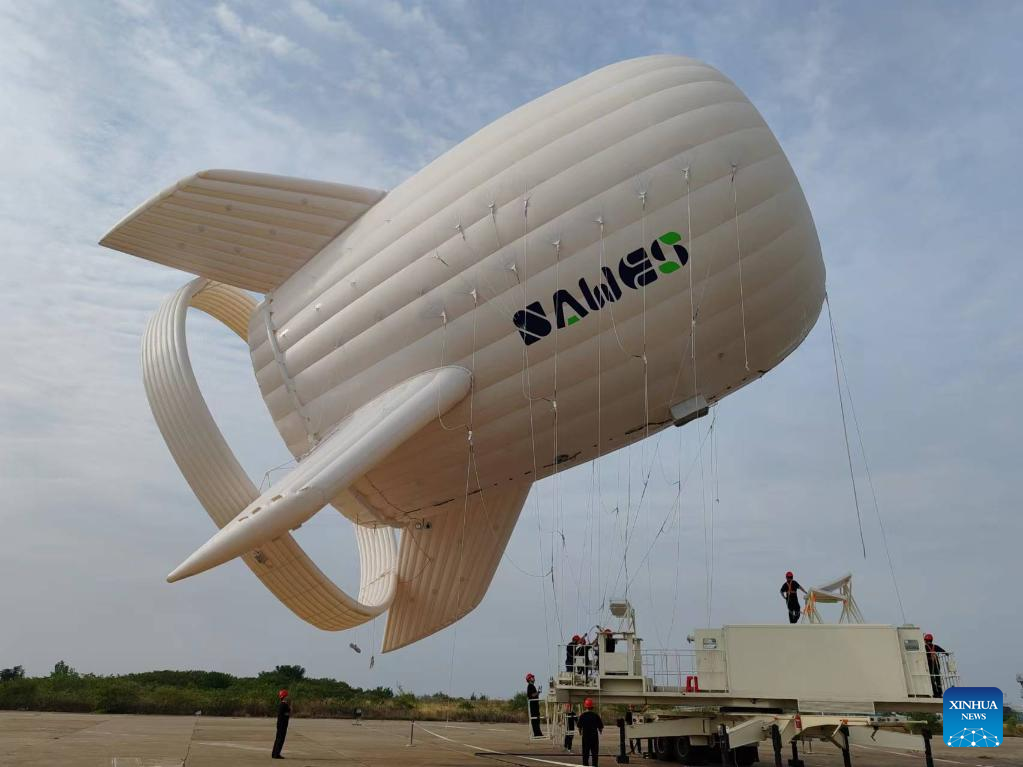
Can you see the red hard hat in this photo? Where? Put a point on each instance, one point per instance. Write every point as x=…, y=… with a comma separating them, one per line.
x=282, y=694
x=928, y=637
x=577, y=638
x=788, y=574
x=530, y=677
x=587, y=703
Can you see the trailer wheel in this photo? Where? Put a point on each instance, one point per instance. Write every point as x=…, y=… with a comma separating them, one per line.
x=682, y=749
x=664, y=748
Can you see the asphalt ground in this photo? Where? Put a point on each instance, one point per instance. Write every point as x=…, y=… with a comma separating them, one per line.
x=80, y=740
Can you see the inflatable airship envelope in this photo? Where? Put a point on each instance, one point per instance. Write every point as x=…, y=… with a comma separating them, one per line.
x=604, y=262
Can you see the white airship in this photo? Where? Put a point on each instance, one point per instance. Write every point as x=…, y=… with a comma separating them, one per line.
x=601, y=263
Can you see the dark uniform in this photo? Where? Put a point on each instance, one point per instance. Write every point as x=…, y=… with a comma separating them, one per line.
x=582, y=658
x=590, y=726
x=934, y=666
x=283, y=716
x=790, y=590
x=570, y=656
x=534, y=709
x=630, y=719
x=569, y=729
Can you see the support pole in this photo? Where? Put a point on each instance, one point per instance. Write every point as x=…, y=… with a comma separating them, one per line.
x=411, y=731
x=623, y=757
x=723, y=744
x=795, y=761
x=776, y=744
x=846, y=757
x=928, y=756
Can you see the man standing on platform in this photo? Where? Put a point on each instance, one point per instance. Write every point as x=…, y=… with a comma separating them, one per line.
x=533, y=699
x=934, y=653
x=790, y=593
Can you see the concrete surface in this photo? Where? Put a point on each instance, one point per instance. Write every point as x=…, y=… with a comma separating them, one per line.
x=79, y=740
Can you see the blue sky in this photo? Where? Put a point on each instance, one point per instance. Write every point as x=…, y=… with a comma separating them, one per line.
x=902, y=122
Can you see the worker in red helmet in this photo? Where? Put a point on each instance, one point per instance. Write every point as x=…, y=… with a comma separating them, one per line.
x=283, y=716
x=790, y=593
x=934, y=653
x=533, y=701
x=582, y=656
x=590, y=726
x=570, y=718
x=570, y=653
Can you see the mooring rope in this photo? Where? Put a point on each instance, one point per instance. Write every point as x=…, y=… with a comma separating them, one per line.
x=845, y=428
x=866, y=466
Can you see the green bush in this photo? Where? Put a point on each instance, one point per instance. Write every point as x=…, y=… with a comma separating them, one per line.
x=218, y=694
x=19, y=693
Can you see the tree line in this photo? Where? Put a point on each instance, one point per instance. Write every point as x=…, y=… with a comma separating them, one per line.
x=216, y=693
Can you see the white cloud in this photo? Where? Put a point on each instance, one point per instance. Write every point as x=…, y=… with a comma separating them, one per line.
x=259, y=38
x=320, y=22
x=137, y=8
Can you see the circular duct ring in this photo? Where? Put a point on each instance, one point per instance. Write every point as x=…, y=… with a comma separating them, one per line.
x=222, y=486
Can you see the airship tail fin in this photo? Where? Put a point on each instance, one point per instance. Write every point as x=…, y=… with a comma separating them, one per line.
x=250, y=230
x=361, y=441
x=446, y=563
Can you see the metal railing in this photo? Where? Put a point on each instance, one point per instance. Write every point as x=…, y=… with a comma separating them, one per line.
x=670, y=669
x=944, y=676
x=581, y=664
x=581, y=667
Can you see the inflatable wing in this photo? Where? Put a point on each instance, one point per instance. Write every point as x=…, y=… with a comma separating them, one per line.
x=355, y=446
x=252, y=230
